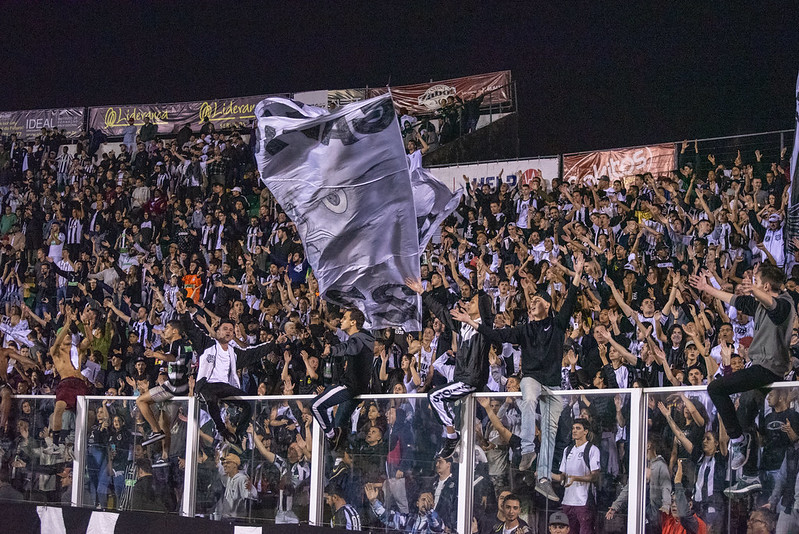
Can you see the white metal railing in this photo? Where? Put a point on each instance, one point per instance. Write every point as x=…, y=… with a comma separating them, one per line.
x=638, y=399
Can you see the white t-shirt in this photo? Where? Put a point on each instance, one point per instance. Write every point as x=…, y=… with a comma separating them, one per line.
x=415, y=160
x=574, y=465
x=55, y=250
x=222, y=367
x=426, y=362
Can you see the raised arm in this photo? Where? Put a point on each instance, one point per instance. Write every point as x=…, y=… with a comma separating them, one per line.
x=618, y=298
x=700, y=282
x=679, y=434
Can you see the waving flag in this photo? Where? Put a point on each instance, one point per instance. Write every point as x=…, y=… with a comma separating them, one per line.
x=434, y=202
x=343, y=178
x=793, y=175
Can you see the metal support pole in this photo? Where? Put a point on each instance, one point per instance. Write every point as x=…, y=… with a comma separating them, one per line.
x=466, y=467
x=637, y=478
x=190, y=474
x=79, y=452
x=317, y=505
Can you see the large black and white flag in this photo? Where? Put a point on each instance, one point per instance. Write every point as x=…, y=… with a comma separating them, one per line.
x=793, y=205
x=434, y=202
x=343, y=178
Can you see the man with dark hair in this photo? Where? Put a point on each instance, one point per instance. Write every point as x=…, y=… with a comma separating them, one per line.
x=773, y=310
x=178, y=356
x=471, y=361
x=358, y=353
x=579, y=472
x=217, y=378
x=541, y=340
x=511, y=507
x=345, y=516
x=146, y=495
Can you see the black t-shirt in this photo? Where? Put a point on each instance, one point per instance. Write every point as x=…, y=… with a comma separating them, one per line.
x=775, y=441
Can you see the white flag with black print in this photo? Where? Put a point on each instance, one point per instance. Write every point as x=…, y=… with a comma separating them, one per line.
x=793, y=203
x=434, y=202
x=343, y=178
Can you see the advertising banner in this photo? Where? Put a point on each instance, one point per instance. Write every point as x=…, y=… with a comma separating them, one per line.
x=29, y=123
x=170, y=118
x=426, y=98
x=342, y=97
x=514, y=172
x=619, y=164
x=312, y=98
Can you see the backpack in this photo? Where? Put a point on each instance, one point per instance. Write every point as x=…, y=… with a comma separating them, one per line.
x=586, y=459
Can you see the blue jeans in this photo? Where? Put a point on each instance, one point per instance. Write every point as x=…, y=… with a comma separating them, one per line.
x=551, y=406
x=99, y=478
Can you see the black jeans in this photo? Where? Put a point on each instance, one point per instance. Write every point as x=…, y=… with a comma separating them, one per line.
x=750, y=379
x=212, y=392
x=337, y=395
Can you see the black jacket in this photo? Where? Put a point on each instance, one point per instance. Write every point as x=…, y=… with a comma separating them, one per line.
x=358, y=352
x=541, y=342
x=471, y=361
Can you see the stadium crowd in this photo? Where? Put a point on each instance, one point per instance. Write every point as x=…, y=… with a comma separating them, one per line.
x=142, y=253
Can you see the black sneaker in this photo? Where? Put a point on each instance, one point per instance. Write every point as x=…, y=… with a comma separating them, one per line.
x=152, y=438
x=448, y=449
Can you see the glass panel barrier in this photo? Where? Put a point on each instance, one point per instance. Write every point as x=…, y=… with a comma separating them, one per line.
x=540, y=454
x=684, y=430
x=37, y=470
x=266, y=476
x=121, y=474
x=390, y=448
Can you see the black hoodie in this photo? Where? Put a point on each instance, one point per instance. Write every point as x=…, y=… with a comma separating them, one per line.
x=541, y=342
x=471, y=362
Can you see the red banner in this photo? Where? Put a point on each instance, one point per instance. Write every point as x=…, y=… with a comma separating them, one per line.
x=427, y=98
x=618, y=164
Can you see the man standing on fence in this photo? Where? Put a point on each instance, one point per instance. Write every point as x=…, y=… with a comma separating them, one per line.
x=774, y=313
x=541, y=340
x=471, y=360
x=358, y=352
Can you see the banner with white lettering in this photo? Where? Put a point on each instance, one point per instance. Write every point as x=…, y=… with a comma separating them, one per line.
x=343, y=179
x=494, y=173
x=618, y=164
x=312, y=98
x=27, y=124
x=423, y=99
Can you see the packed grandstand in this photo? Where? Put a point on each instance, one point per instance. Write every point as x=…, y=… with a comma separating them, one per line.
x=132, y=246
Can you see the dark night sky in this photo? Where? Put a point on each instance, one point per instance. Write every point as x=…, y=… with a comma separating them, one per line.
x=589, y=75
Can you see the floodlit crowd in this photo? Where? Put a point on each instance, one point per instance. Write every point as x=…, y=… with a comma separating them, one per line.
x=161, y=234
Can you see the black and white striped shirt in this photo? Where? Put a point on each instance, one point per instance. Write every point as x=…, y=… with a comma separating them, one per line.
x=74, y=231
x=346, y=517
x=143, y=329
x=64, y=162
x=253, y=240
x=178, y=371
x=209, y=236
